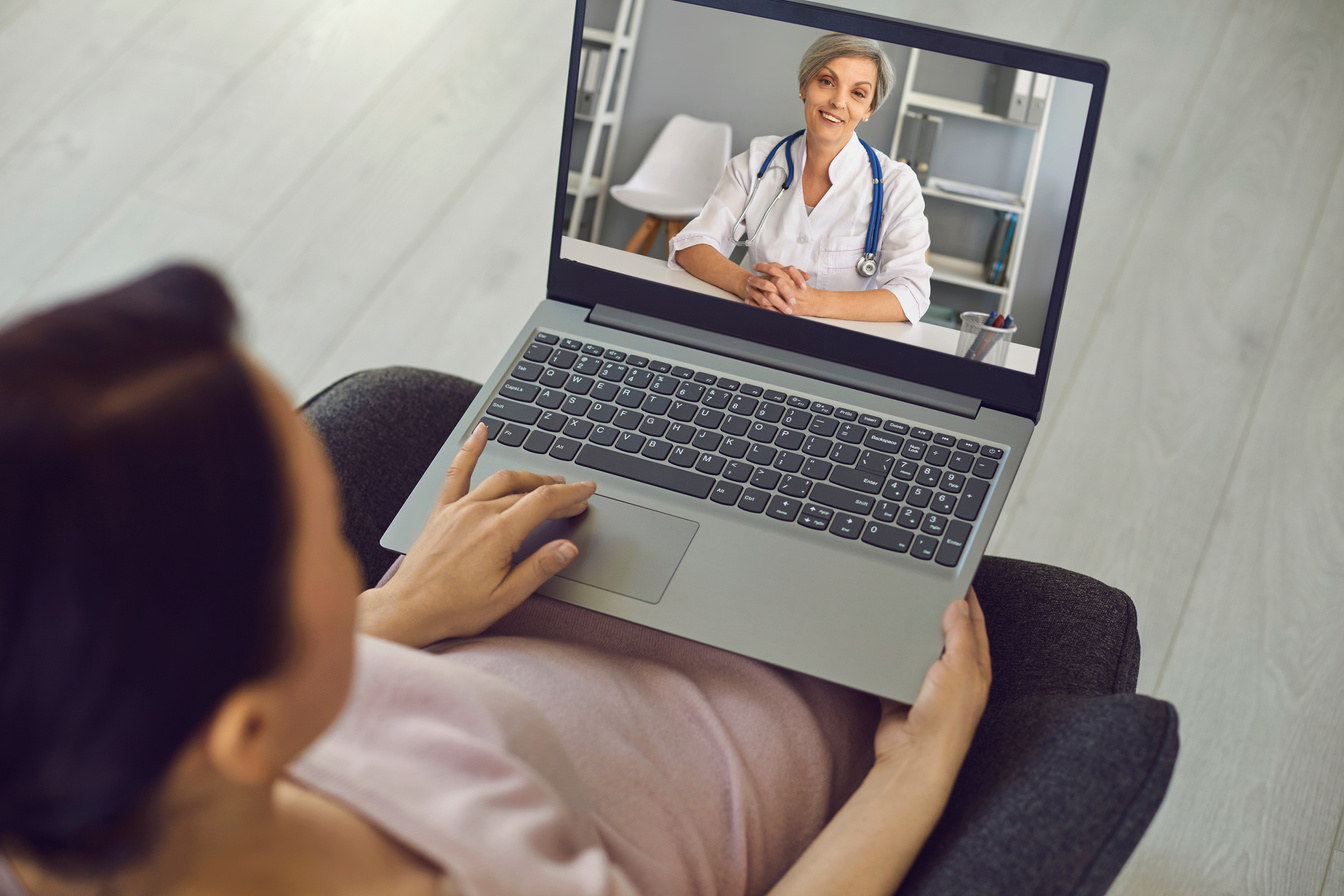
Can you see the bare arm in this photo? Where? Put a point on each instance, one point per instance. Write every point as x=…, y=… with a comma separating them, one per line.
x=706, y=263
x=870, y=844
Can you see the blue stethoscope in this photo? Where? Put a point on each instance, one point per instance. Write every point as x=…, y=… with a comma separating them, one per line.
x=867, y=264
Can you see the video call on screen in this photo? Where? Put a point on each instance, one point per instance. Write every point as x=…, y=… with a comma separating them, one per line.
x=995, y=150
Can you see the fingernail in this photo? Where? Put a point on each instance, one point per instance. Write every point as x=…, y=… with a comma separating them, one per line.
x=480, y=427
x=566, y=552
x=558, y=479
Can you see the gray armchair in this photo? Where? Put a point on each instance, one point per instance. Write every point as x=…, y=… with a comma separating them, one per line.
x=1068, y=766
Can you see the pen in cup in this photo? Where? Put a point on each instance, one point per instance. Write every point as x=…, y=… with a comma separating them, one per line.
x=985, y=338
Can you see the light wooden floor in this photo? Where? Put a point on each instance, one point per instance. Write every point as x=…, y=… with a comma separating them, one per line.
x=375, y=177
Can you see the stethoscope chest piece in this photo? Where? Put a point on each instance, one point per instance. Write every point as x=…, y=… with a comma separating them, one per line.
x=867, y=265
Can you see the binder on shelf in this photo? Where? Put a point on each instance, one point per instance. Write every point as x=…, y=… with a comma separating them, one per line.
x=1040, y=94
x=1010, y=93
x=1000, y=247
x=919, y=133
x=592, y=62
x=585, y=54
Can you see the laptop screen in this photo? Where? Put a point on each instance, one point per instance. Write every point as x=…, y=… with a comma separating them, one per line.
x=674, y=107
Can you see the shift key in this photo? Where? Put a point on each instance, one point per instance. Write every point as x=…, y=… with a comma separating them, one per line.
x=512, y=410
x=841, y=498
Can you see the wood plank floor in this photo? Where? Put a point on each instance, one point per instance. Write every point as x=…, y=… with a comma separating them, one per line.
x=371, y=203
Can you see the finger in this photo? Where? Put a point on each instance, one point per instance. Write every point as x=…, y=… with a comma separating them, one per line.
x=501, y=504
x=528, y=576
x=784, y=286
x=978, y=625
x=539, y=504
x=509, y=482
x=959, y=637
x=770, y=297
x=761, y=302
x=798, y=276
x=760, y=291
x=457, y=481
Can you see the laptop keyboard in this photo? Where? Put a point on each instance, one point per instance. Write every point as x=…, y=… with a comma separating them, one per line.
x=888, y=483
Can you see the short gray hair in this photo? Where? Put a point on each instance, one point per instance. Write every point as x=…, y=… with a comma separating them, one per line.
x=835, y=46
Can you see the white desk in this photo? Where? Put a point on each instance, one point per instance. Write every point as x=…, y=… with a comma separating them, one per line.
x=931, y=336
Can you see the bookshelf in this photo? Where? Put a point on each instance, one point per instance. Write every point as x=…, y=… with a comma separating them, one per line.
x=944, y=195
x=587, y=185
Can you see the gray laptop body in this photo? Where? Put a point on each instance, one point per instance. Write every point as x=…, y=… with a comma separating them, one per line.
x=844, y=575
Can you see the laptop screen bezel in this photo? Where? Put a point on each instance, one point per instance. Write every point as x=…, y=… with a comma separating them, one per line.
x=996, y=387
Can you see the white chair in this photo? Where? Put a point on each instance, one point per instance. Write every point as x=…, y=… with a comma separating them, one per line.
x=676, y=177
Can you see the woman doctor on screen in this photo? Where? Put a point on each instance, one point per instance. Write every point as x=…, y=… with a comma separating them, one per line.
x=807, y=251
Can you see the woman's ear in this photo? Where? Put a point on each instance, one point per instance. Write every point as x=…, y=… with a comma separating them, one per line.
x=243, y=741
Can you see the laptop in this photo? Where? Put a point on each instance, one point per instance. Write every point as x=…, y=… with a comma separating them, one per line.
x=809, y=493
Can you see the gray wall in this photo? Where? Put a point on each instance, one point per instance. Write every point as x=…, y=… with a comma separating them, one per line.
x=744, y=72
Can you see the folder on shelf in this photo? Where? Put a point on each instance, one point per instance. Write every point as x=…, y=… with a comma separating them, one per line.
x=928, y=135
x=919, y=133
x=591, y=65
x=585, y=57
x=1040, y=93
x=1000, y=247
x=1010, y=93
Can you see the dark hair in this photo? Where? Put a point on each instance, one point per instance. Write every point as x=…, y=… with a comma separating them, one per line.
x=144, y=536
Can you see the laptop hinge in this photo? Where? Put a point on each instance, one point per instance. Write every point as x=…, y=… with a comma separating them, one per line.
x=744, y=350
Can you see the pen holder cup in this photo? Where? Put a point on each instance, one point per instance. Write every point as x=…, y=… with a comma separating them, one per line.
x=978, y=342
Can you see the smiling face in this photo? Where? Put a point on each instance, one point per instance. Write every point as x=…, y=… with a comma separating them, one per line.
x=838, y=98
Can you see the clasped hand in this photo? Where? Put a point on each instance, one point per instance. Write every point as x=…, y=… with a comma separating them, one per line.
x=781, y=288
x=459, y=577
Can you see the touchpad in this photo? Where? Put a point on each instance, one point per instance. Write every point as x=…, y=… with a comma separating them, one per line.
x=623, y=548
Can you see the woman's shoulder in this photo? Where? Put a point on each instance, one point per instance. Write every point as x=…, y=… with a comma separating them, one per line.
x=898, y=178
x=760, y=147
x=892, y=170
x=765, y=141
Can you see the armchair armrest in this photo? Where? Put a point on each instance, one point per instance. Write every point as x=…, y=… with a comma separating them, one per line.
x=1055, y=795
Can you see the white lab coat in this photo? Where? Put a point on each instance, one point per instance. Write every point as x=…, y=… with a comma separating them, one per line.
x=828, y=242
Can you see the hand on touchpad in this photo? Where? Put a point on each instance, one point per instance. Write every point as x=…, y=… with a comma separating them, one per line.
x=623, y=548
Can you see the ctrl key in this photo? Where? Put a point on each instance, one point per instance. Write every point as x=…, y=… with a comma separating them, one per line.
x=754, y=500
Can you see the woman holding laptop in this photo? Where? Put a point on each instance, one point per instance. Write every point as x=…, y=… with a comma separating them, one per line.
x=186, y=706
x=834, y=227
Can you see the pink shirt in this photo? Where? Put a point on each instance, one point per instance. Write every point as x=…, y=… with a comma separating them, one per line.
x=602, y=758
